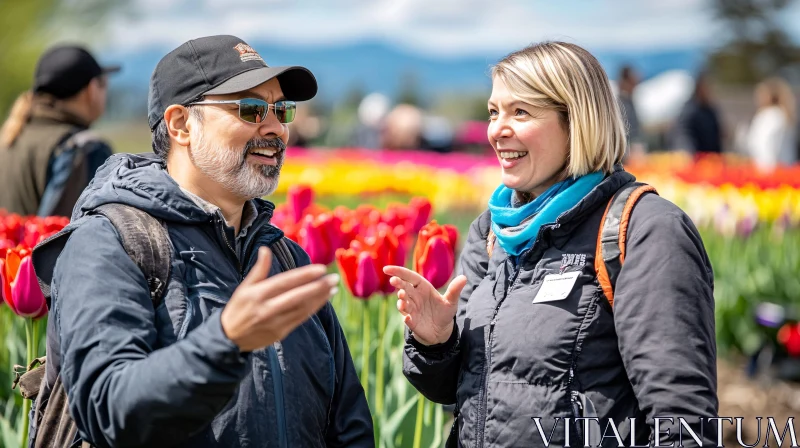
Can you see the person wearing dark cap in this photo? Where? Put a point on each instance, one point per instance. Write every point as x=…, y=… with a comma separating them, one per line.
x=47, y=153
x=243, y=348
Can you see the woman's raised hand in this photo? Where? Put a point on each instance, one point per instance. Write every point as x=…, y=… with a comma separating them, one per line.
x=427, y=313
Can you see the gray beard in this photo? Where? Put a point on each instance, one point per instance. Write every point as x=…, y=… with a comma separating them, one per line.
x=229, y=168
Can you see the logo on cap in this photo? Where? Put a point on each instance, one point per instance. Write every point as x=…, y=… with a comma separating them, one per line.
x=247, y=53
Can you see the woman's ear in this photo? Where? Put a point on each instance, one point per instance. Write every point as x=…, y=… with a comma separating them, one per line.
x=177, y=119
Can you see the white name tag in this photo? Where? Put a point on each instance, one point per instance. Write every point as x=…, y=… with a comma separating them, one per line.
x=556, y=287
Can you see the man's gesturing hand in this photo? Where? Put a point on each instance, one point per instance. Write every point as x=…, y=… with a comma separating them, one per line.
x=264, y=310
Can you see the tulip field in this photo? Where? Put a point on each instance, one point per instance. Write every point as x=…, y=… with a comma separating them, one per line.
x=357, y=211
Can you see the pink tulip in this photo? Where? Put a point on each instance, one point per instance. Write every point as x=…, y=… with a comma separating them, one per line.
x=438, y=261
x=360, y=271
x=299, y=197
x=320, y=236
x=20, y=289
x=434, y=255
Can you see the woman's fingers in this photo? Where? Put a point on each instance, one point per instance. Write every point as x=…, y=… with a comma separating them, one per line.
x=409, y=322
x=401, y=284
x=408, y=305
x=404, y=274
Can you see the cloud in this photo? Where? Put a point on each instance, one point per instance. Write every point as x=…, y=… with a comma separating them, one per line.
x=438, y=27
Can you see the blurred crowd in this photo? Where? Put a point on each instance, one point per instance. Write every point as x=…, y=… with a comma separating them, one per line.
x=764, y=129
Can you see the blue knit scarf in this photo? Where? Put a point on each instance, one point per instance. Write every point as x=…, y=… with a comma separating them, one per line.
x=516, y=227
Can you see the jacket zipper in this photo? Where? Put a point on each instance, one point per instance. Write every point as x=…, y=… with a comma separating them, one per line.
x=220, y=228
x=275, y=366
x=484, y=392
x=577, y=406
x=277, y=382
x=574, y=395
x=246, y=249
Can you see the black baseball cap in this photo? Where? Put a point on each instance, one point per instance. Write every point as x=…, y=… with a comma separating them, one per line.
x=64, y=70
x=218, y=65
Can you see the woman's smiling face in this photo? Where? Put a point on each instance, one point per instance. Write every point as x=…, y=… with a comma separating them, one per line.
x=531, y=143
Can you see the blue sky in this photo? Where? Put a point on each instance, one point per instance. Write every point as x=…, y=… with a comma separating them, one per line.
x=434, y=27
x=447, y=44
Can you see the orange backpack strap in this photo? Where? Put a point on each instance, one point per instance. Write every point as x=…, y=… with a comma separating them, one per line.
x=612, y=235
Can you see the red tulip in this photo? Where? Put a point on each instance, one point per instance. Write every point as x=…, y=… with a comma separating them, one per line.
x=789, y=337
x=396, y=214
x=12, y=227
x=20, y=289
x=320, y=236
x=360, y=271
x=349, y=226
x=5, y=245
x=368, y=218
x=419, y=213
x=388, y=251
x=299, y=197
x=434, y=255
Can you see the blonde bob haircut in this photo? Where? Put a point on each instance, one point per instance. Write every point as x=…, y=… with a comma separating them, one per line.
x=568, y=79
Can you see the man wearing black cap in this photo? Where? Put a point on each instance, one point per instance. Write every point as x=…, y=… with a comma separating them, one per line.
x=47, y=154
x=238, y=351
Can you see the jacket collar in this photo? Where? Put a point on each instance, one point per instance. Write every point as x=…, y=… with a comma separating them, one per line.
x=598, y=197
x=46, y=111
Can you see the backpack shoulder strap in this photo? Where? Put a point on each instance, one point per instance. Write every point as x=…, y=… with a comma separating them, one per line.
x=280, y=249
x=612, y=235
x=146, y=241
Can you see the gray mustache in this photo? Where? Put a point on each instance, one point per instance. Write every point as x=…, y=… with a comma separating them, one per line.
x=259, y=143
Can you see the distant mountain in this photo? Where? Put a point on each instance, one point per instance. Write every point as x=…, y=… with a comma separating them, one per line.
x=377, y=66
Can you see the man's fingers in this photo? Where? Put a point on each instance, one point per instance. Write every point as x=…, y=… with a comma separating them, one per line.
x=303, y=300
x=260, y=270
x=286, y=281
x=286, y=319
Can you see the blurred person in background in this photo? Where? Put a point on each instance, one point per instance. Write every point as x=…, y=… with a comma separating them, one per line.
x=47, y=153
x=402, y=128
x=627, y=81
x=531, y=329
x=698, y=128
x=371, y=115
x=771, y=137
x=305, y=129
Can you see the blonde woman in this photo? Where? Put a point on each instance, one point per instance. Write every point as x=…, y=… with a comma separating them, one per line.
x=531, y=337
x=771, y=139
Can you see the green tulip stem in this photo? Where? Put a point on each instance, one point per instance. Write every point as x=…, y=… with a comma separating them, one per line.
x=418, y=424
x=379, y=386
x=26, y=408
x=365, y=350
x=438, y=424
x=37, y=335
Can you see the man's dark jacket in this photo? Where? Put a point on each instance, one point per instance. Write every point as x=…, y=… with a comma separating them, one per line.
x=138, y=376
x=510, y=361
